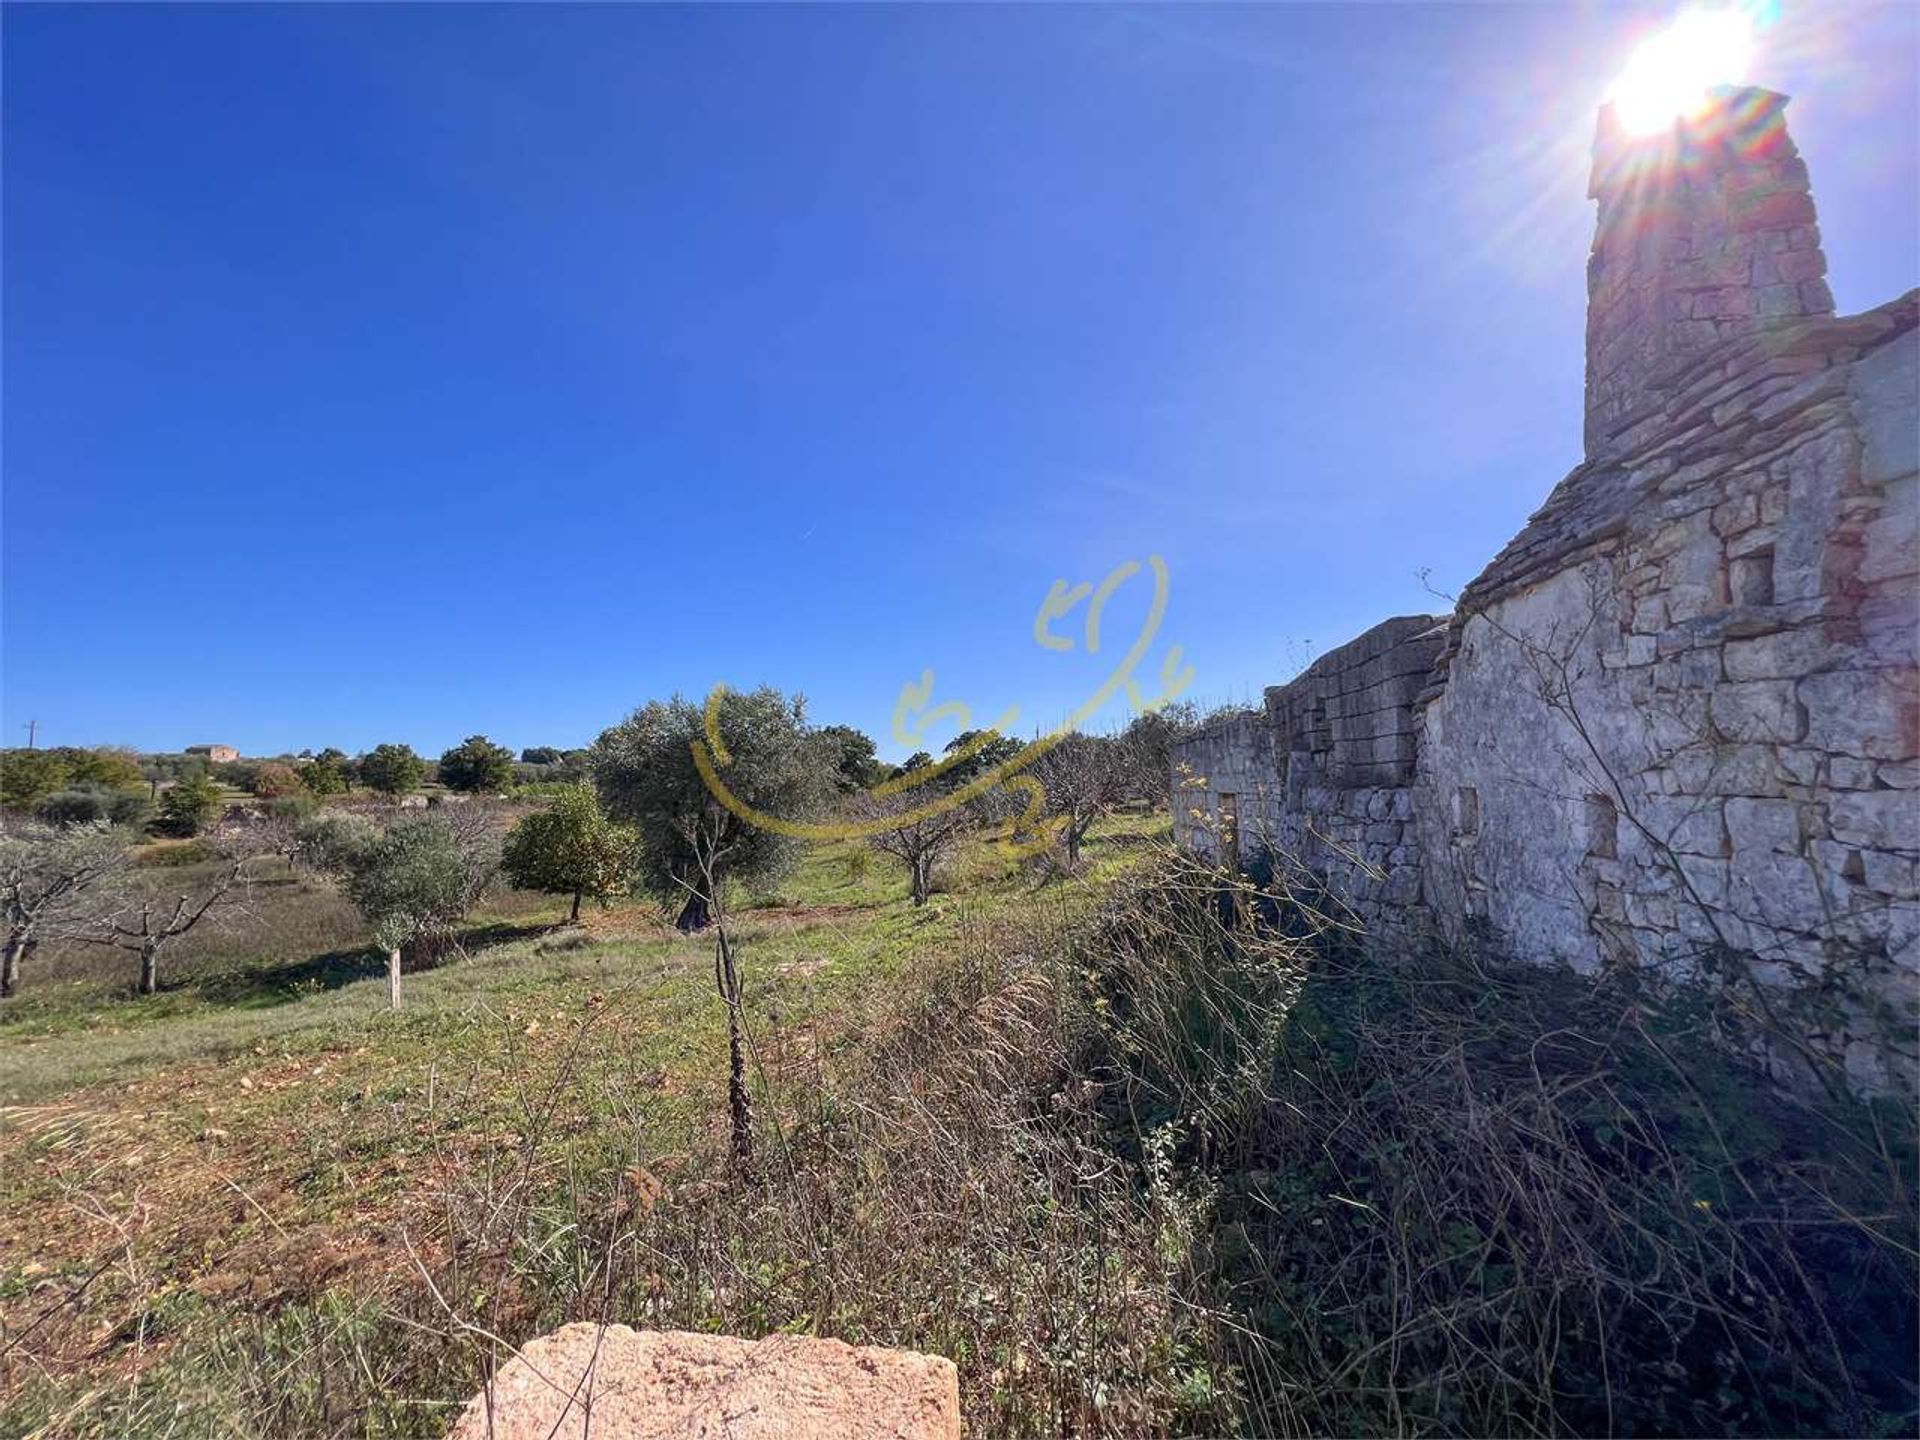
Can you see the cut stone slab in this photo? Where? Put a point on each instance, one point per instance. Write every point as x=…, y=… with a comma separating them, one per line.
x=609, y=1382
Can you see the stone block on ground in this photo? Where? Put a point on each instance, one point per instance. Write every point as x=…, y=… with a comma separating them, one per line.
x=594, y=1382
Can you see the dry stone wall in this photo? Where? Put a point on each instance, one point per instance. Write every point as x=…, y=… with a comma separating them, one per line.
x=1676, y=722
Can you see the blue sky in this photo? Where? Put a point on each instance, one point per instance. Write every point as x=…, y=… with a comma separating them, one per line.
x=403, y=372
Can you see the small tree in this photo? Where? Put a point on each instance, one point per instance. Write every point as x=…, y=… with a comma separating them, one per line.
x=47, y=876
x=188, y=807
x=477, y=764
x=393, y=770
x=146, y=925
x=94, y=805
x=691, y=845
x=332, y=841
x=322, y=776
x=1084, y=777
x=571, y=847
x=539, y=755
x=920, y=842
x=408, y=883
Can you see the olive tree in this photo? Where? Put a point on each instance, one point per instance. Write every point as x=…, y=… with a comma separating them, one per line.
x=571, y=847
x=48, y=876
x=408, y=883
x=692, y=846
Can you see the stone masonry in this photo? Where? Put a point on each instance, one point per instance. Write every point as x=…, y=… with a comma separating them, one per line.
x=1678, y=717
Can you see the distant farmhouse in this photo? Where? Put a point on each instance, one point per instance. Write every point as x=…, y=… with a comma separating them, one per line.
x=217, y=754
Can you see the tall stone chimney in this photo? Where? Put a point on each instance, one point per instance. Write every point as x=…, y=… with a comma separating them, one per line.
x=1705, y=231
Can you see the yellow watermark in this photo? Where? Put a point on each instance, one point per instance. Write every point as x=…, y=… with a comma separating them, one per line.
x=914, y=714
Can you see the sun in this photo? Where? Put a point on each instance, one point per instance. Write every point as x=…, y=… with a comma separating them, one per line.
x=1668, y=77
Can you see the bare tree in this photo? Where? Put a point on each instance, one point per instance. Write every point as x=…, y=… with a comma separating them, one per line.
x=146, y=925
x=918, y=840
x=48, y=876
x=1085, y=777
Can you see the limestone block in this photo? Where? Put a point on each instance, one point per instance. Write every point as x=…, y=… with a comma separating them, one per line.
x=1686, y=825
x=589, y=1382
x=1890, y=874
x=1901, y=774
x=1759, y=710
x=1876, y=819
x=1763, y=825
x=1781, y=655
x=1846, y=773
x=1893, y=540
x=1872, y=715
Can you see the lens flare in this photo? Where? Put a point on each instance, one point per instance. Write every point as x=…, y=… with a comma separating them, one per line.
x=1668, y=77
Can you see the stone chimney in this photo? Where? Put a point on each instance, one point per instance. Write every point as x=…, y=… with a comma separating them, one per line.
x=1705, y=231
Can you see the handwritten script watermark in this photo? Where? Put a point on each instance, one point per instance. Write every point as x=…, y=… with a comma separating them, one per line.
x=915, y=714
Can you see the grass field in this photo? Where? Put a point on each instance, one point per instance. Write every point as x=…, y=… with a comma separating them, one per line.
x=264, y=1133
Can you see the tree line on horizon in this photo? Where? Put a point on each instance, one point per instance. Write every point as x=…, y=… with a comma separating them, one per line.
x=632, y=816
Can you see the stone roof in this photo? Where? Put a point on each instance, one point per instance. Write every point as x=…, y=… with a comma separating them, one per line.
x=1718, y=410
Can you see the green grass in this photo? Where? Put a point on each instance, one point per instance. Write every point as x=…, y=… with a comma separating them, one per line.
x=265, y=1124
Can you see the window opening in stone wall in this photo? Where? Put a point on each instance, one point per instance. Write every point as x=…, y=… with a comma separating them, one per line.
x=1603, y=828
x=1750, y=578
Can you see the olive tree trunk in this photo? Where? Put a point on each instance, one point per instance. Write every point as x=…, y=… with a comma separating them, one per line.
x=149, y=969
x=10, y=963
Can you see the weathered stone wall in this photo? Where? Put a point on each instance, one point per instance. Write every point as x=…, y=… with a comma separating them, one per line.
x=1680, y=716
x=1676, y=722
x=1321, y=779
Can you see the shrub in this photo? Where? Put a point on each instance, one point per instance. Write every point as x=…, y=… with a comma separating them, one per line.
x=188, y=808
x=332, y=840
x=94, y=804
x=1459, y=1197
x=273, y=778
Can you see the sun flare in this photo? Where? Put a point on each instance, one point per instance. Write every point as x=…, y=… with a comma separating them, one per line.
x=1669, y=75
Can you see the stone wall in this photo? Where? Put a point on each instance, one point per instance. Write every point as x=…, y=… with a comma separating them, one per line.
x=1676, y=722
x=1680, y=716
x=1321, y=779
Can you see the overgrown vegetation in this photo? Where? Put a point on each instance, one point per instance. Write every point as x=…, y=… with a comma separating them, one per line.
x=1452, y=1197
x=1146, y=1153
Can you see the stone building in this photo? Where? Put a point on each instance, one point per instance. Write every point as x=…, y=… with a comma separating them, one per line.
x=218, y=754
x=1679, y=714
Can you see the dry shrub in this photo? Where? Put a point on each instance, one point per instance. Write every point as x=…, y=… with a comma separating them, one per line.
x=950, y=1191
x=1455, y=1197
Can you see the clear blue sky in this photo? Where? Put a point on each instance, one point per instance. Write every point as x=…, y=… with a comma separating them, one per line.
x=397, y=373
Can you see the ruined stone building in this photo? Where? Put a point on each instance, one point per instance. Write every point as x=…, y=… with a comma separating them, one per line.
x=1678, y=716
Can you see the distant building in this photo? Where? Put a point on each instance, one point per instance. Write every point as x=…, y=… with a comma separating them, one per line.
x=217, y=754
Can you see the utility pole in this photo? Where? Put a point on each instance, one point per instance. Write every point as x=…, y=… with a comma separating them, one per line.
x=32, y=727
